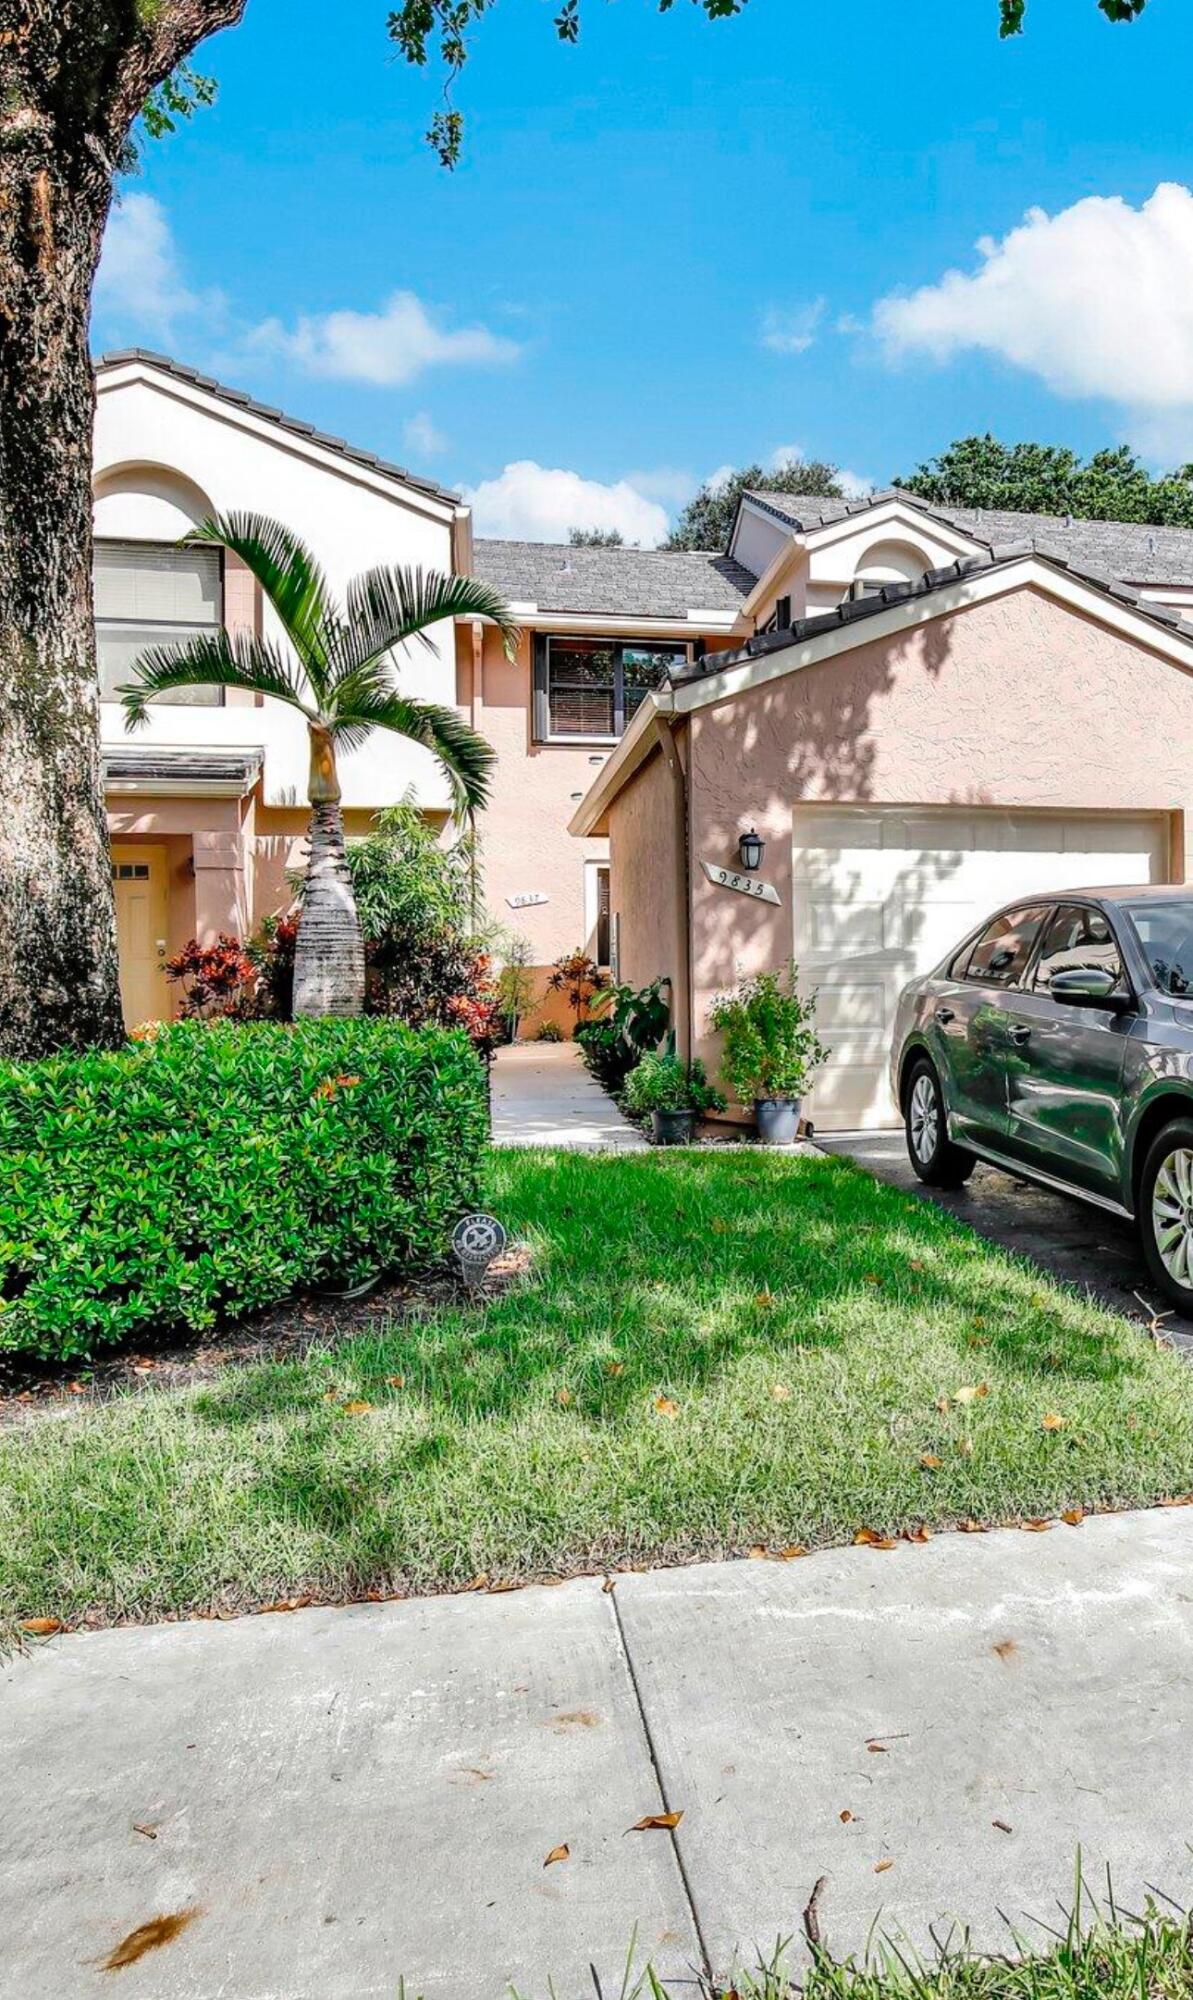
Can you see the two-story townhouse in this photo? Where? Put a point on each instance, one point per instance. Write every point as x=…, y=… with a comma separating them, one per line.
x=939, y=710
x=207, y=805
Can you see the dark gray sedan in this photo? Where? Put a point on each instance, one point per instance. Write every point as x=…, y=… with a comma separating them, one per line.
x=1057, y=1043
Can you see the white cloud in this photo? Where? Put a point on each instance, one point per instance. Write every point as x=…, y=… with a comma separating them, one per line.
x=854, y=485
x=421, y=436
x=139, y=284
x=786, y=454
x=668, y=483
x=386, y=348
x=793, y=331
x=1095, y=301
x=718, y=480
x=541, y=503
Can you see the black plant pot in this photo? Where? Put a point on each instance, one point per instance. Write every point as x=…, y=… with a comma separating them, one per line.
x=673, y=1128
x=777, y=1119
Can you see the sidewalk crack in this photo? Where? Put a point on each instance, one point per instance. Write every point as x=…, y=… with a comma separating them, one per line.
x=673, y=1834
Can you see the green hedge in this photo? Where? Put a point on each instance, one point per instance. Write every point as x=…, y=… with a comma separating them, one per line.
x=218, y=1168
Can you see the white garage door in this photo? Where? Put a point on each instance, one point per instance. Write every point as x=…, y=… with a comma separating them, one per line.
x=881, y=894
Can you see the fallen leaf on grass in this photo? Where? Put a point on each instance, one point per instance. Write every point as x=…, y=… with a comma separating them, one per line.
x=972, y=1527
x=758, y=1553
x=498, y=1589
x=1074, y=1516
x=656, y=1823
x=41, y=1628
x=1179, y=1500
x=872, y=1538
x=561, y=1853
x=971, y=1392
x=917, y=1534
x=791, y=1552
x=780, y=1392
x=357, y=1408
x=614, y=1368
x=1051, y=1422
x=880, y=1867
x=396, y=1381
x=1035, y=1527
x=564, y=1397
x=929, y=1461
x=764, y=1298
x=665, y=1406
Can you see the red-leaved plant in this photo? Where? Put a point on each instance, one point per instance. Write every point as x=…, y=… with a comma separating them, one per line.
x=217, y=980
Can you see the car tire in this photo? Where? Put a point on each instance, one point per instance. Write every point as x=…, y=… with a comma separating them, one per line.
x=1164, y=1213
x=937, y=1161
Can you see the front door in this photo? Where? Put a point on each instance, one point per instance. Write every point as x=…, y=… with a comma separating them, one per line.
x=139, y=880
x=1064, y=1097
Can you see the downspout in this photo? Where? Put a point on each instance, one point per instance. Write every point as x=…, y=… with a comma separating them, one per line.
x=681, y=1009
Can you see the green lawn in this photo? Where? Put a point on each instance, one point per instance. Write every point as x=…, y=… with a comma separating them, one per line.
x=714, y=1350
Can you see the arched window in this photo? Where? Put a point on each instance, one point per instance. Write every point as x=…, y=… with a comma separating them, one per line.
x=888, y=562
x=149, y=591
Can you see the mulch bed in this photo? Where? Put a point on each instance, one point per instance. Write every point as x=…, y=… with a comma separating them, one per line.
x=33, y=1388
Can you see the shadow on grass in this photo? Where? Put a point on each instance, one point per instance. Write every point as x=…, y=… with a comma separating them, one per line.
x=661, y=1273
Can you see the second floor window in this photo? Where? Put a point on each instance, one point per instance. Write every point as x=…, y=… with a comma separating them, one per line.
x=592, y=688
x=146, y=595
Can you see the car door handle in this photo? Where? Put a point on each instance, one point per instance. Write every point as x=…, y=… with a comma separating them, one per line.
x=944, y=1015
x=1020, y=1034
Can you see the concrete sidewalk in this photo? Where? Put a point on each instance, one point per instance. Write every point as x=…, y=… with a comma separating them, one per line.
x=542, y=1095
x=329, y=1800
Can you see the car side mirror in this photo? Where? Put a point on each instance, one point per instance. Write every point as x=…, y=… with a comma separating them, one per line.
x=1087, y=986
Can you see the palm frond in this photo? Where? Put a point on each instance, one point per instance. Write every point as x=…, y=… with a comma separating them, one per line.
x=291, y=578
x=465, y=758
x=388, y=606
x=218, y=659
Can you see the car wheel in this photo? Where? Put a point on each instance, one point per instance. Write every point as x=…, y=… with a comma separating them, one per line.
x=933, y=1155
x=1165, y=1213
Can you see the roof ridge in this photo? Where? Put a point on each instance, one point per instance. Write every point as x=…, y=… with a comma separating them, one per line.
x=297, y=426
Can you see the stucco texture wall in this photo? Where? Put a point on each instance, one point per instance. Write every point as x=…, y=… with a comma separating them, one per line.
x=642, y=846
x=1018, y=702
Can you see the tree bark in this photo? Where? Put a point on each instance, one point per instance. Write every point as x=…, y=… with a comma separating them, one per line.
x=73, y=76
x=329, y=953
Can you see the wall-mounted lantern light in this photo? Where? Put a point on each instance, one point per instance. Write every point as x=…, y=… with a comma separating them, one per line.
x=751, y=849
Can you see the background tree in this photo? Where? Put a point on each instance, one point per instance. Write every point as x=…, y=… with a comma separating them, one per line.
x=706, y=521
x=74, y=77
x=595, y=538
x=1050, y=479
x=339, y=675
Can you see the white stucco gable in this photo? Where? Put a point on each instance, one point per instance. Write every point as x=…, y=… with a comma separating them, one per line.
x=172, y=446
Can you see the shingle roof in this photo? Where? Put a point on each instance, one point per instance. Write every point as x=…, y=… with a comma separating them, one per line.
x=240, y=401
x=1126, y=549
x=854, y=611
x=627, y=583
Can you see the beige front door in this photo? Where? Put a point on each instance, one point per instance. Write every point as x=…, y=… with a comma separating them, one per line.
x=140, y=881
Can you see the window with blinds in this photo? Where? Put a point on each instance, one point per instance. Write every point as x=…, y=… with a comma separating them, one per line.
x=146, y=595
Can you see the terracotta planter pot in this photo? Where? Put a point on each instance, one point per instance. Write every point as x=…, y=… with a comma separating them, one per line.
x=673, y=1128
x=777, y=1119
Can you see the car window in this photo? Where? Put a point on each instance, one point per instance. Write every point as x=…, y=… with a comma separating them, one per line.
x=1165, y=930
x=1078, y=938
x=1002, y=951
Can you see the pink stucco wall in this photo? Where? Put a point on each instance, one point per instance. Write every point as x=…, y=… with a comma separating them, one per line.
x=642, y=844
x=1021, y=701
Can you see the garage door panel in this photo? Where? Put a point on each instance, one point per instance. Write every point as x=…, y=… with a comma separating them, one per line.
x=881, y=895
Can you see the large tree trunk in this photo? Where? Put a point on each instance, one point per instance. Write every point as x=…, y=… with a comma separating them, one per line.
x=329, y=953
x=73, y=76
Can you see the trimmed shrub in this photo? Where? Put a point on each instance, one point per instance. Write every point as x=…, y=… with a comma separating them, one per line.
x=214, y=1169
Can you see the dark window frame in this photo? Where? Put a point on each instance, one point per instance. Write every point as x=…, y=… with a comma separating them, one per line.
x=1034, y=984
x=1048, y=907
x=618, y=647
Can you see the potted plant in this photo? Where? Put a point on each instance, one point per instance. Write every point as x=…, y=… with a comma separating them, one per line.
x=771, y=1050
x=675, y=1093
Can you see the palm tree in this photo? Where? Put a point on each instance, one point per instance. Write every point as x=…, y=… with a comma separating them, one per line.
x=338, y=673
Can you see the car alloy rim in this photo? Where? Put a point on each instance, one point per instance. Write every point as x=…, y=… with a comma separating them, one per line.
x=1172, y=1215
x=924, y=1118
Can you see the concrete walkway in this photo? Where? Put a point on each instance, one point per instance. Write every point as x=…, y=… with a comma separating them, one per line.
x=311, y=1806
x=542, y=1095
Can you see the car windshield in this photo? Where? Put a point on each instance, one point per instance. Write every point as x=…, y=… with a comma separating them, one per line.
x=1165, y=930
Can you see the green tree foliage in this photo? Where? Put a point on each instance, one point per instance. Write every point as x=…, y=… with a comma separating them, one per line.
x=444, y=27
x=596, y=538
x=707, y=520
x=1050, y=479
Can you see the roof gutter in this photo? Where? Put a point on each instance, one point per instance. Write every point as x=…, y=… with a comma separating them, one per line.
x=665, y=725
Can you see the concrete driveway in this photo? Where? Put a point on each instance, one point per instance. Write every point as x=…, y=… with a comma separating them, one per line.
x=1073, y=1241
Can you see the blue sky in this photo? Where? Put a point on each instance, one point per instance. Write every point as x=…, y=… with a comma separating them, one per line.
x=682, y=244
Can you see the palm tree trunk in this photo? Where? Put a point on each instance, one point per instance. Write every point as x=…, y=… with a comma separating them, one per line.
x=329, y=953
